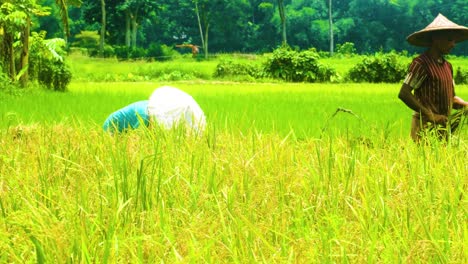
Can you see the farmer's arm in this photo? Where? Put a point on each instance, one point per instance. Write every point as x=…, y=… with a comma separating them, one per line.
x=459, y=103
x=412, y=102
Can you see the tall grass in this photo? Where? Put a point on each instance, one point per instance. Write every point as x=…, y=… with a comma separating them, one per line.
x=277, y=177
x=72, y=194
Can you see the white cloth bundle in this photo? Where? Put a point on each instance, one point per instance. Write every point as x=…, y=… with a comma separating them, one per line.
x=170, y=107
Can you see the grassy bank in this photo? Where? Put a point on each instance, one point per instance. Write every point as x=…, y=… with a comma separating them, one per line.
x=187, y=68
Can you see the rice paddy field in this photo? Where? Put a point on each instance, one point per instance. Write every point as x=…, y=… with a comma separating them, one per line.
x=284, y=173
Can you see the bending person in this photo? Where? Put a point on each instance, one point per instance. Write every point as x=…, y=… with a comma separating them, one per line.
x=167, y=107
x=170, y=107
x=129, y=117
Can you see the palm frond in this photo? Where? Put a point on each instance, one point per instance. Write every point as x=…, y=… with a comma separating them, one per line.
x=55, y=46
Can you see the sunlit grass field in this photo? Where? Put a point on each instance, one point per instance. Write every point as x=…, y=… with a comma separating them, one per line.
x=279, y=176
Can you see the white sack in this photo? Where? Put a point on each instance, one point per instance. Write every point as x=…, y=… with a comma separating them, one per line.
x=169, y=106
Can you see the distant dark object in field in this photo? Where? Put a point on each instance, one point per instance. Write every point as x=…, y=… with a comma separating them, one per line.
x=194, y=48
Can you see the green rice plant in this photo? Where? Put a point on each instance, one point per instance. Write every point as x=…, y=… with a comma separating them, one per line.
x=265, y=183
x=161, y=196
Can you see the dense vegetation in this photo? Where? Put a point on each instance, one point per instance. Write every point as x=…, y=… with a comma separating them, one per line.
x=279, y=177
x=254, y=26
x=297, y=165
x=35, y=34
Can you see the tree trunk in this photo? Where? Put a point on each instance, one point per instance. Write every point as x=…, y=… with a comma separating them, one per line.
x=205, y=47
x=127, y=28
x=25, y=53
x=330, y=19
x=103, y=28
x=10, y=54
x=283, y=21
x=134, y=30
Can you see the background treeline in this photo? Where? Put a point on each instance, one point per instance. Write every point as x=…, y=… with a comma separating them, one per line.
x=255, y=25
x=35, y=35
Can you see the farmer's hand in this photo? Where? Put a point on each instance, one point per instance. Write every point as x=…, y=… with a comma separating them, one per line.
x=438, y=119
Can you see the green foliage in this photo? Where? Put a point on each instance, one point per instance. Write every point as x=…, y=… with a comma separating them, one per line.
x=229, y=68
x=346, y=49
x=161, y=52
x=3, y=77
x=122, y=52
x=381, y=67
x=47, y=62
x=176, y=76
x=260, y=178
x=87, y=39
x=55, y=75
x=461, y=76
x=108, y=51
x=126, y=53
x=295, y=66
x=137, y=53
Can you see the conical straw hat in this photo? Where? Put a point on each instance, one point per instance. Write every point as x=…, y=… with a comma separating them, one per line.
x=422, y=38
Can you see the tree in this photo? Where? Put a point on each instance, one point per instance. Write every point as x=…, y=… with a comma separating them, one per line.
x=207, y=11
x=63, y=6
x=330, y=19
x=16, y=18
x=103, y=28
x=205, y=26
x=282, y=14
x=134, y=11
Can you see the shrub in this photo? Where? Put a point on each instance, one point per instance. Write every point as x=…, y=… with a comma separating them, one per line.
x=55, y=75
x=346, y=49
x=176, y=76
x=137, y=53
x=125, y=53
x=122, y=52
x=228, y=68
x=381, y=67
x=47, y=62
x=161, y=52
x=294, y=66
x=3, y=77
x=87, y=39
x=461, y=76
x=108, y=52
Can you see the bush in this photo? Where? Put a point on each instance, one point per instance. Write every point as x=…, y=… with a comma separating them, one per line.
x=137, y=53
x=47, y=62
x=294, y=66
x=125, y=53
x=230, y=68
x=161, y=52
x=55, y=75
x=3, y=77
x=176, y=76
x=381, y=67
x=346, y=49
x=122, y=52
x=108, y=52
x=461, y=76
x=87, y=39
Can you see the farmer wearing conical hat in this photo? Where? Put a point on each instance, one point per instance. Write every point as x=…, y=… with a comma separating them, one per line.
x=428, y=88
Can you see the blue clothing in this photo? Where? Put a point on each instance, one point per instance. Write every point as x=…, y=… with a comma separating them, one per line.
x=129, y=117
